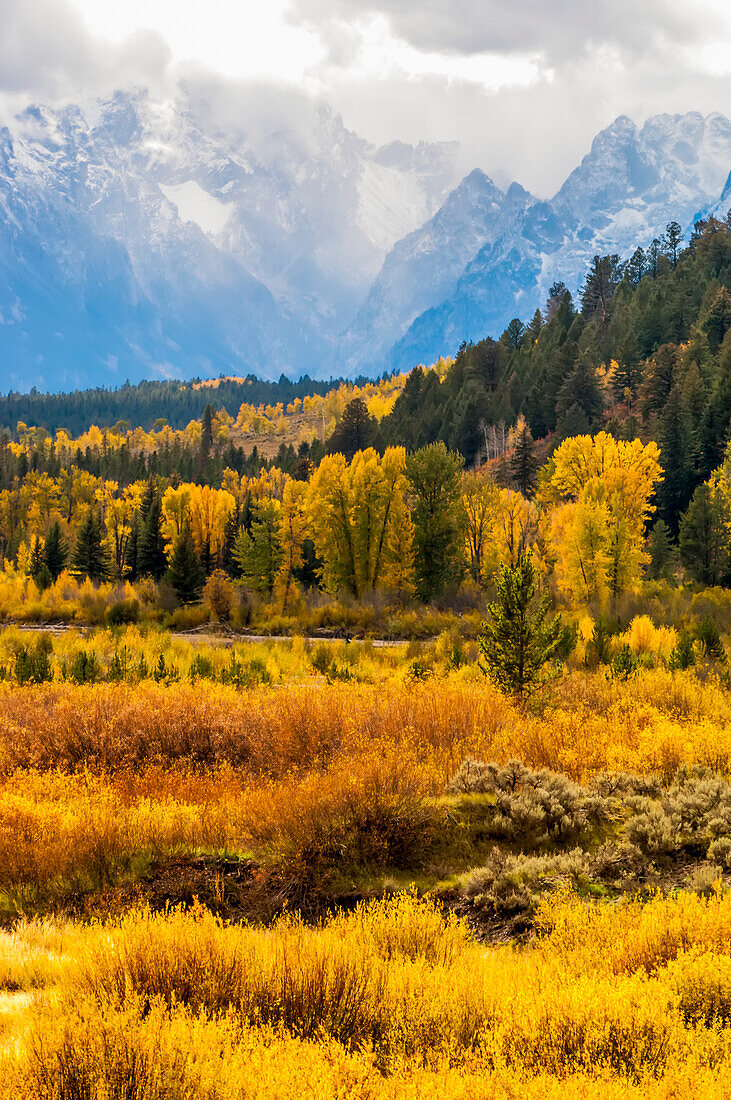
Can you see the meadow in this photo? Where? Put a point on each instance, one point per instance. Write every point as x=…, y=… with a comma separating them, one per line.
x=245, y=869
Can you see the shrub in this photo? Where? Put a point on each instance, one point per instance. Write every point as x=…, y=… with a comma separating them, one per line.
x=710, y=640
x=83, y=669
x=532, y=807
x=363, y=814
x=123, y=611
x=511, y=885
x=32, y=666
x=719, y=851
x=219, y=596
x=624, y=664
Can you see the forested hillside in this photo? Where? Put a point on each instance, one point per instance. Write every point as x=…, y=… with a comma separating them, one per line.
x=595, y=433
x=642, y=351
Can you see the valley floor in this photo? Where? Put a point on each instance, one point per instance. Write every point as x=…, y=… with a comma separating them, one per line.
x=335, y=871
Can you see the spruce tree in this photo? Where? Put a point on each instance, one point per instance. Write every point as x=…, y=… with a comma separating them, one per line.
x=185, y=572
x=36, y=557
x=355, y=431
x=523, y=464
x=676, y=488
x=704, y=536
x=90, y=557
x=519, y=640
x=56, y=551
x=151, y=559
x=671, y=240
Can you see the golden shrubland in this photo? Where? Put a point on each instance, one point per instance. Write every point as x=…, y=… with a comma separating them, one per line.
x=393, y=1000
x=323, y=789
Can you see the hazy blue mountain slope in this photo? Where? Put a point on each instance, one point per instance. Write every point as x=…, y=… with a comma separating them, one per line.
x=146, y=238
x=628, y=187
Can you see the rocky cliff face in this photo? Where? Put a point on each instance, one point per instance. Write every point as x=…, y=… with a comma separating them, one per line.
x=139, y=239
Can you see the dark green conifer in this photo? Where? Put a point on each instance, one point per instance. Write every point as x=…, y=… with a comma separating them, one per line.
x=523, y=464
x=185, y=572
x=519, y=640
x=151, y=559
x=55, y=551
x=90, y=558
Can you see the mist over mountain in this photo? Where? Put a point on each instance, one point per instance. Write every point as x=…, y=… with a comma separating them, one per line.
x=140, y=239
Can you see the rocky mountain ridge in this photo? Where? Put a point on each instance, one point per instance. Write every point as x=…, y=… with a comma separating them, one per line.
x=140, y=238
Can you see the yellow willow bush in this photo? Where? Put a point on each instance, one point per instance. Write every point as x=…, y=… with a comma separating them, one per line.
x=390, y=1001
x=646, y=639
x=368, y=811
x=656, y=721
x=59, y=832
x=265, y=732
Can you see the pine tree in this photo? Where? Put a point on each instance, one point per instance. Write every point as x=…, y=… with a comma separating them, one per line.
x=36, y=556
x=662, y=552
x=185, y=572
x=636, y=266
x=523, y=464
x=151, y=559
x=90, y=558
x=581, y=388
x=355, y=432
x=671, y=240
x=676, y=487
x=56, y=551
x=514, y=333
x=704, y=535
x=519, y=640
x=230, y=535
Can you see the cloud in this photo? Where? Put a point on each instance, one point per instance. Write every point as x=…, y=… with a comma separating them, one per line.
x=555, y=31
x=523, y=85
x=48, y=51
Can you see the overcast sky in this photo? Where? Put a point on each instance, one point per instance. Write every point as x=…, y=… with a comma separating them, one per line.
x=523, y=85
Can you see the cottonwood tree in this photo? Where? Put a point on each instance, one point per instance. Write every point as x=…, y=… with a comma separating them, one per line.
x=359, y=522
x=598, y=533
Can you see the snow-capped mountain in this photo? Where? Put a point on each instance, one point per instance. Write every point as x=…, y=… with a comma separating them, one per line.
x=423, y=269
x=138, y=240
x=141, y=238
x=625, y=191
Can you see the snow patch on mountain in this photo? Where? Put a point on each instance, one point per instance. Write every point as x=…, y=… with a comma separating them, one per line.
x=193, y=204
x=390, y=204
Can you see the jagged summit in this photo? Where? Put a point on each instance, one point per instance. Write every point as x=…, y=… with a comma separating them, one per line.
x=144, y=237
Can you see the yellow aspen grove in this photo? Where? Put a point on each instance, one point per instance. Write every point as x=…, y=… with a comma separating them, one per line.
x=329, y=510
x=76, y=487
x=399, y=574
x=118, y=522
x=479, y=497
x=393, y=563
x=233, y=483
x=352, y=511
x=292, y=533
x=174, y=513
x=598, y=535
x=208, y=510
x=515, y=527
x=44, y=494
x=377, y=483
